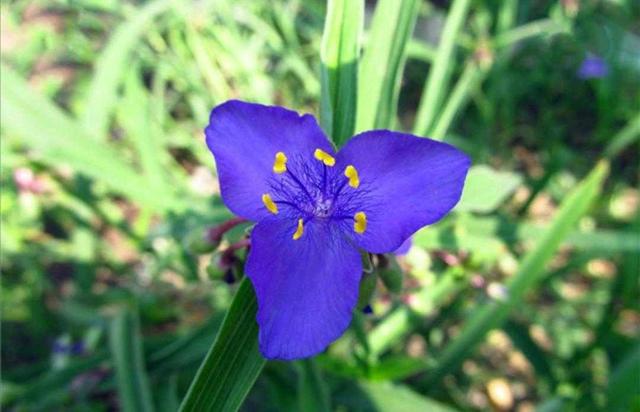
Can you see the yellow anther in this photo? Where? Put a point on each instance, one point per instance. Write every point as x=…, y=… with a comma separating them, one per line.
x=324, y=157
x=280, y=164
x=299, y=230
x=352, y=174
x=268, y=203
x=360, y=222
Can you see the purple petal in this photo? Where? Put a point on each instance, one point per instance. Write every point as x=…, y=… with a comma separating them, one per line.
x=406, y=182
x=306, y=288
x=244, y=139
x=404, y=247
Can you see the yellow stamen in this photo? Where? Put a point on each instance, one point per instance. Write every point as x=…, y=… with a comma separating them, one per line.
x=268, y=203
x=352, y=174
x=299, y=230
x=324, y=157
x=280, y=164
x=360, y=222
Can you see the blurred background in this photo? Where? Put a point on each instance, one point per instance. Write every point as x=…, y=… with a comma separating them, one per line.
x=526, y=298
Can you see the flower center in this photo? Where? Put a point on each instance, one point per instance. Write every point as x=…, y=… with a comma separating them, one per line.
x=309, y=190
x=323, y=208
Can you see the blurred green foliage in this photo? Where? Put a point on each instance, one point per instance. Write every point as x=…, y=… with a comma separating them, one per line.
x=525, y=298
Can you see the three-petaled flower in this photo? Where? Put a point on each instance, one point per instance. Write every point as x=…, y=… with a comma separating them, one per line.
x=315, y=209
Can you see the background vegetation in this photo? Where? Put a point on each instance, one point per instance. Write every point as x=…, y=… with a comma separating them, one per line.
x=525, y=298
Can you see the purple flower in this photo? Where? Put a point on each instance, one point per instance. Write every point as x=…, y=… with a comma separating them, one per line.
x=315, y=209
x=593, y=67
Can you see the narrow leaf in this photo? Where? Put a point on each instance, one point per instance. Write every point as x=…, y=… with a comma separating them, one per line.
x=145, y=134
x=438, y=79
x=542, y=27
x=233, y=363
x=383, y=62
x=397, y=324
x=388, y=397
x=112, y=64
x=529, y=274
x=470, y=229
x=313, y=395
x=623, y=138
x=469, y=80
x=339, y=55
x=622, y=391
x=166, y=395
x=126, y=349
x=56, y=138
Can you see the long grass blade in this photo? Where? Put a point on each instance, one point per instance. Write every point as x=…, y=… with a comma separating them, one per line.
x=55, y=137
x=126, y=350
x=471, y=77
x=388, y=397
x=383, y=62
x=233, y=363
x=529, y=274
x=339, y=55
x=313, y=395
x=112, y=65
x=625, y=137
x=144, y=132
x=542, y=27
x=622, y=391
x=438, y=79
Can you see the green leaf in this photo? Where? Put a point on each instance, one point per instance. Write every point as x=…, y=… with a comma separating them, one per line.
x=519, y=335
x=183, y=352
x=383, y=62
x=402, y=320
x=542, y=27
x=485, y=189
x=44, y=128
x=556, y=404
x=389, y=330
x=313, y=395
x=396, y=367
x=234, y=361
x=622, y=391
x=529, y=274
x=112, y=64
x=438, y=79
x=623, y=138
x=387, y=397
x=420, y=50
x=125, y=341
x=470, y=79
x=507, y=15
x=135, y=117
x=186, y=350
x=53, y=380
x=166, y=397
x=339, y=55
x=471, y=232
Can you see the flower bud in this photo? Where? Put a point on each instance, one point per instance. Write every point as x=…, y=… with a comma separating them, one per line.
x=214, y=270
x=367, y=288
x=198, y=242
x=229, y=276
x=390, y=273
